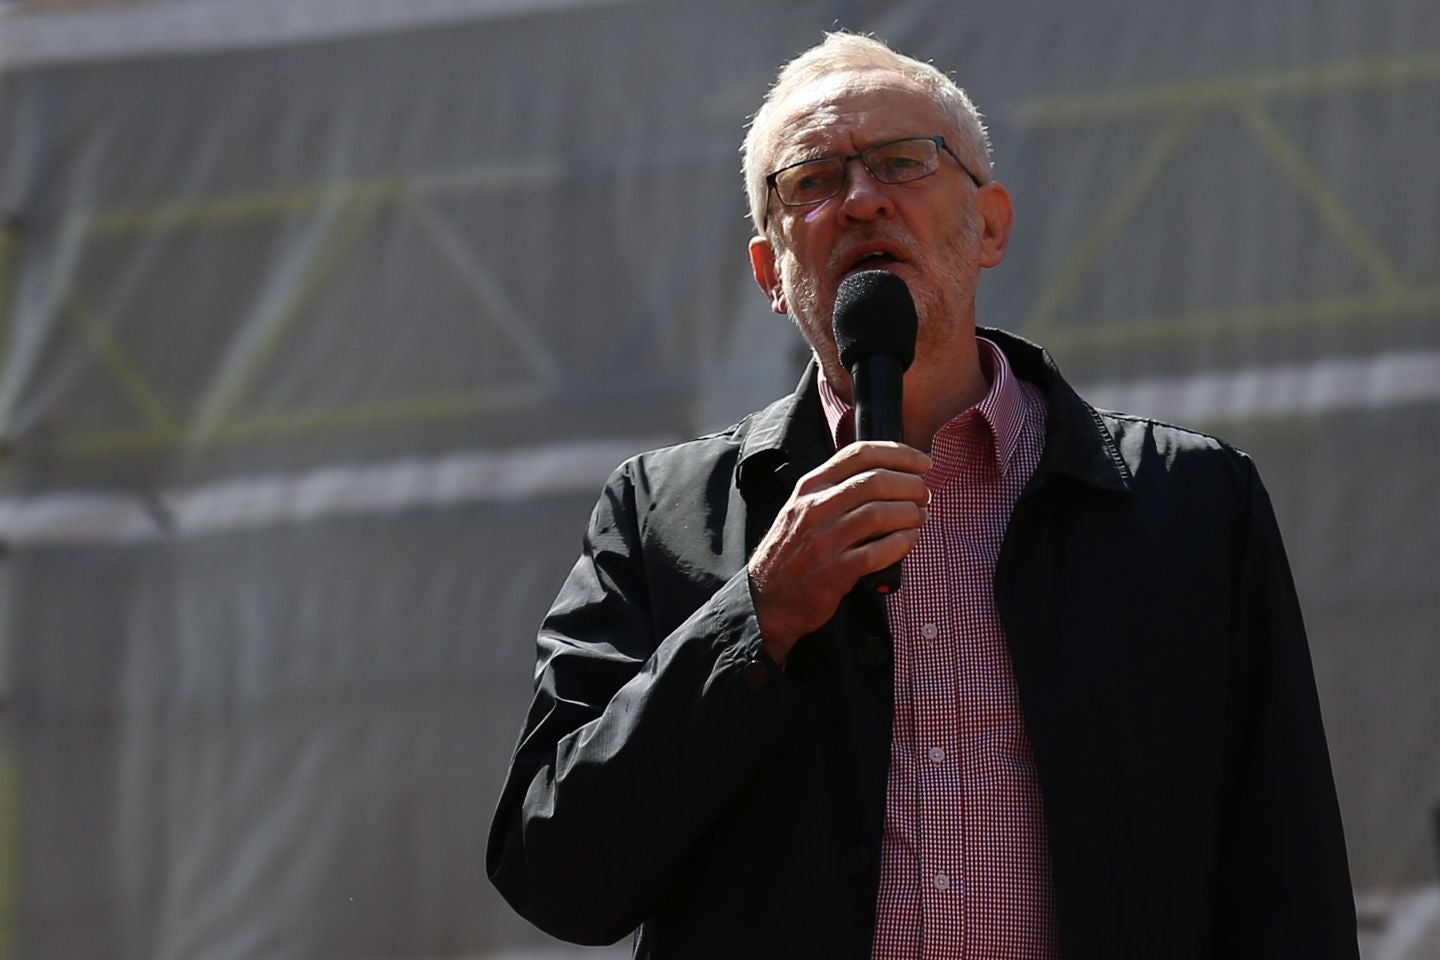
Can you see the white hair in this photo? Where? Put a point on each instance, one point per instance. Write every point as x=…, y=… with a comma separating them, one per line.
x=850, y=51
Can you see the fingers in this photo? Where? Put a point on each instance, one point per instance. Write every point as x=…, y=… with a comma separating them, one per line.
x=862, y=473
x=855, y=514
x=865, y=456
x=872, y=486
x=877, y=554
x=875, y=519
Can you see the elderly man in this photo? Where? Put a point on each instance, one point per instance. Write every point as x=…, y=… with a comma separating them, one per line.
x=1085, y=727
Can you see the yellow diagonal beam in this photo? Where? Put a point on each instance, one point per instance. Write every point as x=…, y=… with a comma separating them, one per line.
x=326, y=257
x=1316, y=189
x=1231, y=91
x=133, y=384
x=1116, y=211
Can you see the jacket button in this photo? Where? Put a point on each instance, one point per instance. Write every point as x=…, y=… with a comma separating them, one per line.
x=857, y=860
x=755, y=674
x=873, y=653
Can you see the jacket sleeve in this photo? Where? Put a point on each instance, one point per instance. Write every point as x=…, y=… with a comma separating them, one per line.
x=1285, y=884
x=634, y=743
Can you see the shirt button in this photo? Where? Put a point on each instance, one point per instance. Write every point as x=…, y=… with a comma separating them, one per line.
x=937, y=754
x=756, y=674
x=942, y=882
x=929, y=631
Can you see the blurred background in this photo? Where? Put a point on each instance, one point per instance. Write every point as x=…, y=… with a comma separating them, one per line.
x=321, y=324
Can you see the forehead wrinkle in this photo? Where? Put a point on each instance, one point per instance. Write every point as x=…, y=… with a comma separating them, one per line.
x=805, y=130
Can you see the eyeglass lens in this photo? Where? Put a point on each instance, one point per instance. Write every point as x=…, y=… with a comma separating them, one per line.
x=816, y=180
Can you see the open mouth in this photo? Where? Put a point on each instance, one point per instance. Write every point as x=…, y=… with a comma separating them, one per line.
x=872, y=258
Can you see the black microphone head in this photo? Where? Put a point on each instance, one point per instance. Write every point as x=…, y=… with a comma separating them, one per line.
x=874, y=314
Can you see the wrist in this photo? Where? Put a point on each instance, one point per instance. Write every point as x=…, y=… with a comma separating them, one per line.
x=774, y=634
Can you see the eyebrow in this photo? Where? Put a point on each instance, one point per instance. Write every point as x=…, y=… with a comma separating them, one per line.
x=797, y=154
x=805, y=153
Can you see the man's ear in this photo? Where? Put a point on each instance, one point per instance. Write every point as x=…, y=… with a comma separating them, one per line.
x=762, y=264
x=992, y=204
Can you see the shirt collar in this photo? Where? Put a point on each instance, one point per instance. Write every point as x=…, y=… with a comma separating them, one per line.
x=790, y=436
x=1002, y=408
x=839, y=415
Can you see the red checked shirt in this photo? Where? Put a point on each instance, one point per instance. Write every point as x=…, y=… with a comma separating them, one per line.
x=964, y=867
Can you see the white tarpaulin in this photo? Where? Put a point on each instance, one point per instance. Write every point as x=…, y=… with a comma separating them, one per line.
x=321, y=324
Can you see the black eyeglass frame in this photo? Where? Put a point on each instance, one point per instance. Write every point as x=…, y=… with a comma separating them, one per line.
x=845, y=163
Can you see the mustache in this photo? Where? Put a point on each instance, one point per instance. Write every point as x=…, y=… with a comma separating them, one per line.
x=870, y=233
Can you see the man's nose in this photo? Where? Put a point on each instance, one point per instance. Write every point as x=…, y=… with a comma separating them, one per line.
x=862, y=197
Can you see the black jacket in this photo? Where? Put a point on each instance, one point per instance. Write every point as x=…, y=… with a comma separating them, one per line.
x=669, y=777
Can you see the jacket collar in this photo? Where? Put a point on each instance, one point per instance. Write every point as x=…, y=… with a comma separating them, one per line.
x=790, y=435
x=1077, y=442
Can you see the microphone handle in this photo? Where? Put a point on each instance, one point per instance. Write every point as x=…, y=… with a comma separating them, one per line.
x=877, y=381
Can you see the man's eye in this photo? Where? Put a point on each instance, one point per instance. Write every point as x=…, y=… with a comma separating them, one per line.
x=809, y=183
x=900, y=166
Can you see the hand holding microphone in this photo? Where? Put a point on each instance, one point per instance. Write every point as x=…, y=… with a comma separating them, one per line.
x=875, y=332
x=860, y=512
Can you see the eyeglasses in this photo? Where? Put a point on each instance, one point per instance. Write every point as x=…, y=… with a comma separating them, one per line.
x=899, y=161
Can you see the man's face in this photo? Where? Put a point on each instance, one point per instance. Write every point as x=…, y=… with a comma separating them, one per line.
x=928, y=232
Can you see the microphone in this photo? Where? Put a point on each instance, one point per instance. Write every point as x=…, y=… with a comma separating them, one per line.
x=875, y=331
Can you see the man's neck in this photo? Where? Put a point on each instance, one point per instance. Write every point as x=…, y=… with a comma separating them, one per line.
x=937, y=392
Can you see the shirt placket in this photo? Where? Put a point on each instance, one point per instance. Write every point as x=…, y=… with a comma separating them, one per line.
x=981, y=681
x=940, y=761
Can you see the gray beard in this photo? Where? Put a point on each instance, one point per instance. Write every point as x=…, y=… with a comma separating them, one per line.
x=947, y=295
